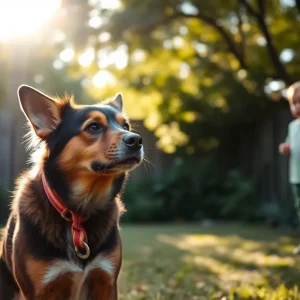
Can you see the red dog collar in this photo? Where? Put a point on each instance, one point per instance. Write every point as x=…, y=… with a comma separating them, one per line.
x=78, y=233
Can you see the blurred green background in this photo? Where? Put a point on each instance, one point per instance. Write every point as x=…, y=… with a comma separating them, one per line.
x=203, y=82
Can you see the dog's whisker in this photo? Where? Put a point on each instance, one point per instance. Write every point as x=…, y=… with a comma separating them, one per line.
x=146, y=169
x=107, y=165
x=146, y=159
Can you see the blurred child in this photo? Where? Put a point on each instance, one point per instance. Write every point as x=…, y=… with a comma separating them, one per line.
x=291, y=146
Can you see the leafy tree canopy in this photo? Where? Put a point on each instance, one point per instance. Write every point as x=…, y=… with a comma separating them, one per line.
x=193, y=70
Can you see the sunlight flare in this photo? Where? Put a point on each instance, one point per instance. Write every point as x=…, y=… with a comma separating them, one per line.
x=19, y=18
x=103, y=78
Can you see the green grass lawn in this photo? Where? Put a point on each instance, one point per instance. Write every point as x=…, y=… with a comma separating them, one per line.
x=226, y=262
x=215, y=262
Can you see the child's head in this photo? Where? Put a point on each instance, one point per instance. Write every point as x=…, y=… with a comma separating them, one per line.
x=293, y=96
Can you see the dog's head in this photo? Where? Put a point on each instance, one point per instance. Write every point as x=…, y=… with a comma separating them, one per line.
x=82, y=141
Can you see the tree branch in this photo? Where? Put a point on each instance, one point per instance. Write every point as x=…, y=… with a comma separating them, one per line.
x=298, y=5
x=210, y=21
x=249, y=8
x=274, y=56
x=262, y=7
x=241, y=32
x=154, y=25
x=225, y=35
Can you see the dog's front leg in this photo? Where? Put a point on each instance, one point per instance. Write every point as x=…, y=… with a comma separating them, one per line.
x=8, y=286
x=102, y=286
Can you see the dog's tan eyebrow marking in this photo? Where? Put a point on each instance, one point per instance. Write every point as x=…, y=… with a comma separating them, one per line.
x=95, y=116
x=120, y=118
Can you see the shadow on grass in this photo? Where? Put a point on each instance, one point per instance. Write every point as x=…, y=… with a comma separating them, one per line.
x=187, y=262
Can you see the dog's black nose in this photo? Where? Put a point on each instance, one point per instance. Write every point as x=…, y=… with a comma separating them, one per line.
x=133, y=141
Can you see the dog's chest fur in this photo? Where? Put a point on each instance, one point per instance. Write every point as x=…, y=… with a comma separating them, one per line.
x=71, y=276
x=79, y=276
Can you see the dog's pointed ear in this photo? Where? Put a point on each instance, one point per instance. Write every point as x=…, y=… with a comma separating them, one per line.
x=42, y=112
x=117, y=103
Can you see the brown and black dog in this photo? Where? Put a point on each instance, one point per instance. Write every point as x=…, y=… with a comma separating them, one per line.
x=62, y=238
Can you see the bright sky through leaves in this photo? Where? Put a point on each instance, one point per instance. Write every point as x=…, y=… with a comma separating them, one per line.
x=19, y=18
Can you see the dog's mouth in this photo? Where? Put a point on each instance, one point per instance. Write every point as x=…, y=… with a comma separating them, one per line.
x=129, y=160
x=117, y=165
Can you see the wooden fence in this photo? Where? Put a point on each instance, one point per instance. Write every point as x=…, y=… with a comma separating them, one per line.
x=254, y=150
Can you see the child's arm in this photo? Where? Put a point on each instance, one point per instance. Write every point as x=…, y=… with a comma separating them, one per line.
x=284, y=148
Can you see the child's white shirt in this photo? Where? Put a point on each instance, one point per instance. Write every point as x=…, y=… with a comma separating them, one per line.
x=293, y=139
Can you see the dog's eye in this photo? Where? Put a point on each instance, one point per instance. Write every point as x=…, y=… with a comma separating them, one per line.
x=94, y=127
x=126, y=126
